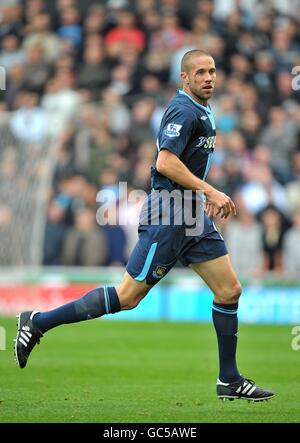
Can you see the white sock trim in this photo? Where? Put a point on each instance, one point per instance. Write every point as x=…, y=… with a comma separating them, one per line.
x=33, y=314
x=219, y=382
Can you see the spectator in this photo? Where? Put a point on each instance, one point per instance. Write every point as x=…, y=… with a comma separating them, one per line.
x=262, y=190
x=121, y=80
x=291, y=247
x=65, y=166
x=33, y=8
x=250, y=128
x=244, y=241
x=70, y=28
x=150, y=22
x=55, y=232
x=118, y=115
x=263, y=76
x=116, y=240
x=59, y=102
x=182, y=10
x=124, y=35
x=14, y=86
x=283, y=48
x=280, y=136
x=155, y=64
x=41, y=35
x=227, y=116
x=170, y=35
x=71, y=196
x=11, y=18
x=102, y=147
x=234, y=178
x=29, y=123
x=293, y=187
x=141, y=116
x=11, y=54
x=36, y=69
x=272, y=237
x=285, y=95
x=85, y=243
x=94, y=73
x=95, y=20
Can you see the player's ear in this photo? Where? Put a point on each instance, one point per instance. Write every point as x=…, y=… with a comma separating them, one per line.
x=184, y=77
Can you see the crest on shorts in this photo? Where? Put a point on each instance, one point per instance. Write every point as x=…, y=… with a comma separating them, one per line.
x=159, y=272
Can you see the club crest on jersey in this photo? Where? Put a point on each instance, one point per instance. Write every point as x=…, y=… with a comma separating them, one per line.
x=206, y=142
x=159, y=271
x=173, y=130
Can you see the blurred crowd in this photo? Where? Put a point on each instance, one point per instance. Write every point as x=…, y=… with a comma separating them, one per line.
x=95, y=77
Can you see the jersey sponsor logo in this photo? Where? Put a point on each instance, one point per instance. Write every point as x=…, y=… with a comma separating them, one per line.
x=159, y=271
x=173, y=130
x=206, y=142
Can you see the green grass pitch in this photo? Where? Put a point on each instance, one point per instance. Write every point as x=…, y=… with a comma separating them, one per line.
x=111, y=371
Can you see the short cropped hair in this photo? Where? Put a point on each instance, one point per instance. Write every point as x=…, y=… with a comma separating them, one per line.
x=185, y=61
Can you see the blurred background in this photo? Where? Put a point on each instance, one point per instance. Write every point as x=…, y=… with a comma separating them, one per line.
x=86, y=84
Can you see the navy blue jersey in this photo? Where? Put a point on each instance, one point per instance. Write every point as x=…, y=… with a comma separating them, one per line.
x=188, y=130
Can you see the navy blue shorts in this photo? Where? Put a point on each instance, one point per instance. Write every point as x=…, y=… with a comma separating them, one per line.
x=160, y=247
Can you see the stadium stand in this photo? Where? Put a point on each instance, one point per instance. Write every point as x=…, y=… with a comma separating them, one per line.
x=86, y=86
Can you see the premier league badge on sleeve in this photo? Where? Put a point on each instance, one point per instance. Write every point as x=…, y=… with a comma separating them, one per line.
x=173, y=130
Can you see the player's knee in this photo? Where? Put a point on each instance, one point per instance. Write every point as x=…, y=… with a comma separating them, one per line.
x=236, y=291
x=230, y=294
x=133, y=302
x=130, y=298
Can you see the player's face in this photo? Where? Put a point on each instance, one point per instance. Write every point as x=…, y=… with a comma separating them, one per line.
x=201, y=77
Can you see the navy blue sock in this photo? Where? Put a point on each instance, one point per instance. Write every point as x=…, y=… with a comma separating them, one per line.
x=94, y=304
x=226, y=326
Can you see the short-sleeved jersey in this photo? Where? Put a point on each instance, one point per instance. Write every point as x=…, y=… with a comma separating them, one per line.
x=188, y=130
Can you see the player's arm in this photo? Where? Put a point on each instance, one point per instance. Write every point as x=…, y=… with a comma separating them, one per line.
x=169, y=165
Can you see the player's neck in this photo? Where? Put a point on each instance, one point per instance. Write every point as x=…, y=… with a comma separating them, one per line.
x=194, y=97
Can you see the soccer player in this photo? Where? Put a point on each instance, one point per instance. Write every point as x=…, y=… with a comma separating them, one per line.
x=185, y=146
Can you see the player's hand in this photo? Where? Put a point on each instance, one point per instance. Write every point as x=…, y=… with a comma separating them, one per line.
x=219, y=203
x=210, y=210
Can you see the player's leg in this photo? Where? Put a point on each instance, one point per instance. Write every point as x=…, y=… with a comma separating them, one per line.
x=96, y=303
x=148, y=263
x=131, y=291
x=221, y=278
